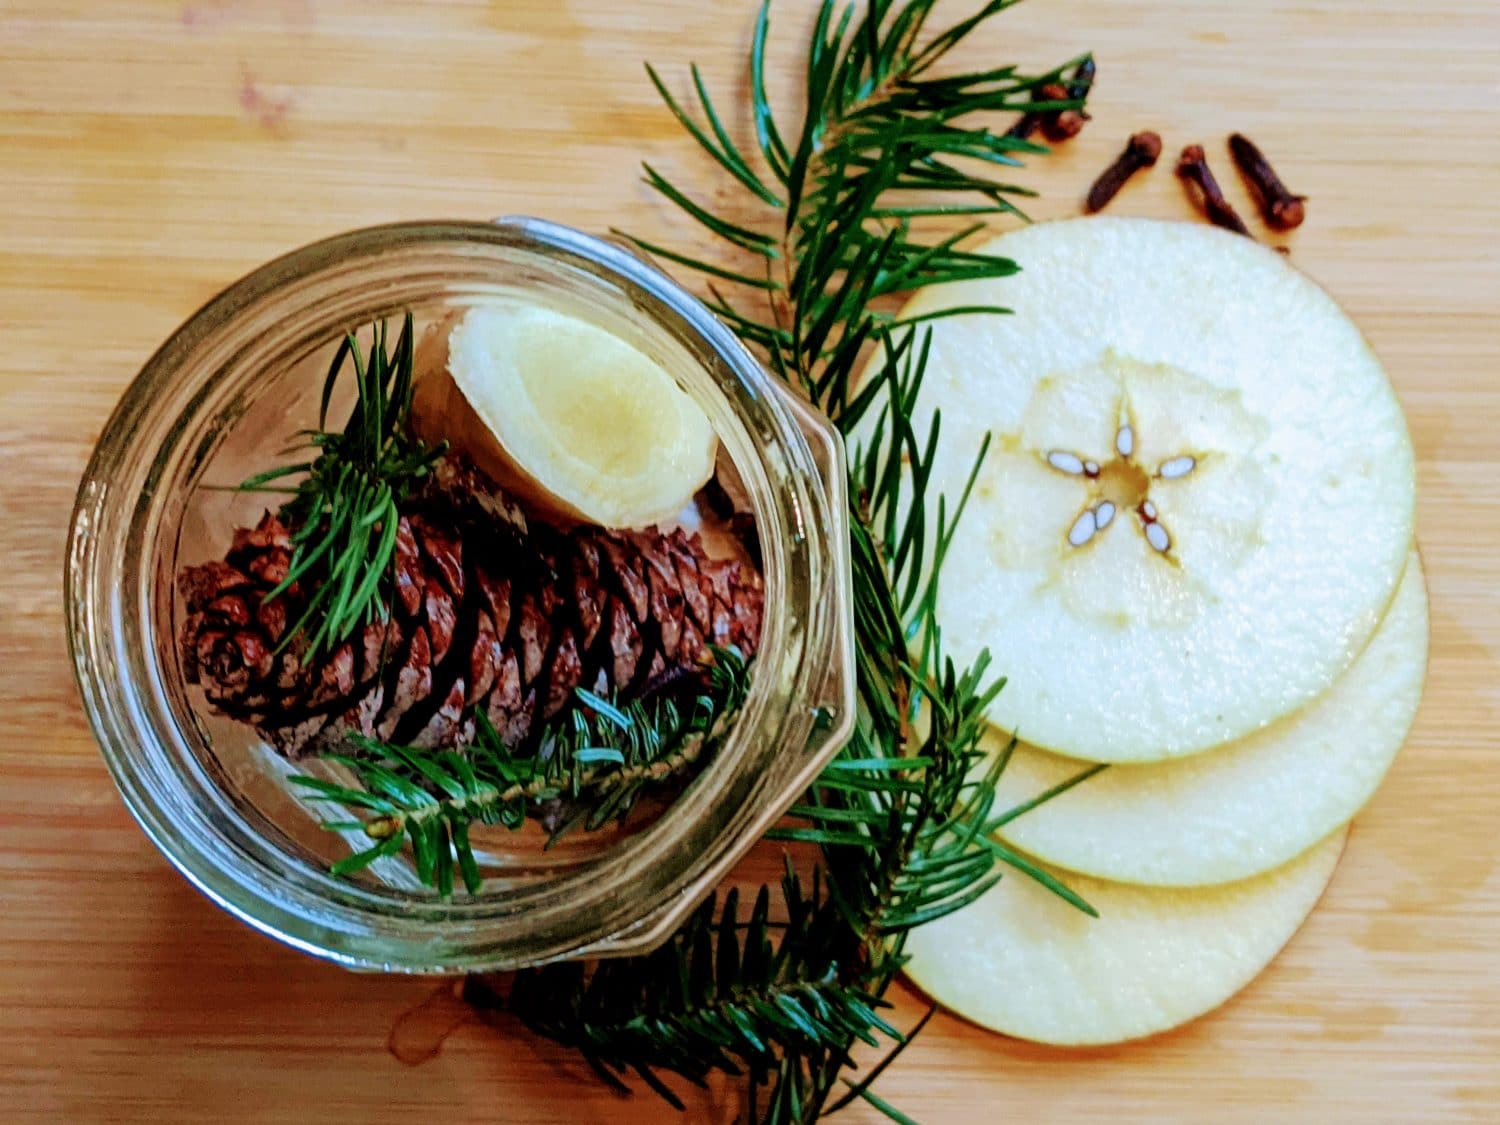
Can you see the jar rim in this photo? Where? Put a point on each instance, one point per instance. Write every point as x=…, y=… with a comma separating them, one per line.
x=125, y=508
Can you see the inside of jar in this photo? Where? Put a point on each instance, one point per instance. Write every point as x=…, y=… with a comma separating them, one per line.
x=511, y=647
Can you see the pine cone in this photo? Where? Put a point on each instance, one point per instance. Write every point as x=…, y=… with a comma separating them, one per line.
x=487, y=614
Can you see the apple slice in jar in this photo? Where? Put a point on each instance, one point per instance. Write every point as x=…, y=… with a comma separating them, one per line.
x=1199, y=493
x=567, y=416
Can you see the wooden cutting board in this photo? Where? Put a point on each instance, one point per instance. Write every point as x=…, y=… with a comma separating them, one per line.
x=152, y=152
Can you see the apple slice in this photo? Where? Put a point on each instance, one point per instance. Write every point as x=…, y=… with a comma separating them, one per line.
x=1246, y=807
x=1199, y=496
x=566, y=415
x=1021, y=961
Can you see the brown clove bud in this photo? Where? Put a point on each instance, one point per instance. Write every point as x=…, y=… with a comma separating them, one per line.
x=1140, y=152
x=1050, y=121
x=1061, y=124
x=1058, y=124
x=1193, y=168
x=1281, y=208
x=1081, y=84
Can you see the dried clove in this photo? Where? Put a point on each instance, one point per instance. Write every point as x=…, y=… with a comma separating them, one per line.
x=1193, y=168
x=1058, y=124
x=1140, y=152
x=1281, y=208
x=1063, y=124
x=1047, y=120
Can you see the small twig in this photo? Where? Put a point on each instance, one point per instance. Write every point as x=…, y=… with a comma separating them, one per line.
x=1281, y=208
x=1141, y=151
x=1193, y=168
x=601, y=780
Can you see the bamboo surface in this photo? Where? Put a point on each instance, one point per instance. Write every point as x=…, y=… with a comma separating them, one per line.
x=152, y=152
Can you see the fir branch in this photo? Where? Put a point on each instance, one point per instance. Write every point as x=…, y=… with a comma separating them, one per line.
x=599, y=758
x=719, y=995
x=345, y=506
x=902, y=816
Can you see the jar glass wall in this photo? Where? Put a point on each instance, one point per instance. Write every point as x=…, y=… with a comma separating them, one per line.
x=217, y=402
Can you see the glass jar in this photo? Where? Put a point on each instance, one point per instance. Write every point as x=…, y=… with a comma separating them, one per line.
x=217, y=402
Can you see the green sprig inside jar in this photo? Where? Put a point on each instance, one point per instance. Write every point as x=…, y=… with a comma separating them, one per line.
x=515, y=588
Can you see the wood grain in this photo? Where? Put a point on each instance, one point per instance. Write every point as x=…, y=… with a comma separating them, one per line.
x=152, y=152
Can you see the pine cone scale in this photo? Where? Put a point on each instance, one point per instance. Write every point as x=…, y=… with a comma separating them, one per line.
x=507, y=708
x=445, y=725
x=496, y=590
x=442, y=552
x=629, y=583
x=624, y=642
x=442, y=620
x=409, y=582
x=587, y=594
x=564, y=675
x=484, y=664
x=413, y=683
x=687, y=579
x=533, y=634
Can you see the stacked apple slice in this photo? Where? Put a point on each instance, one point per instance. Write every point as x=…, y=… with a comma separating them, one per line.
x=1190, y=551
